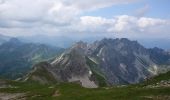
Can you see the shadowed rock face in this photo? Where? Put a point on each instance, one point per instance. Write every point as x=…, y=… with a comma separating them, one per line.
x=117, y=61
x=124, y=61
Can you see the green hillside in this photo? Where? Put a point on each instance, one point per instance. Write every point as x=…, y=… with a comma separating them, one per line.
x=162, y=80
x=70, y=91
x=17, y=58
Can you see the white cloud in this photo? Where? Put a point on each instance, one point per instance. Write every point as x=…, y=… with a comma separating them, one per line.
x=63, y=17
x=147, y=22
x=23, y=10
x=124, y=23
x=50, y=10
x=144, y=27
x=93, y=21
x=95, y=24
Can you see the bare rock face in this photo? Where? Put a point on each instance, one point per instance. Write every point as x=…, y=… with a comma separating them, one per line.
x=71, y=67
x=120, y=61
x=109, y=61
x=126, y=62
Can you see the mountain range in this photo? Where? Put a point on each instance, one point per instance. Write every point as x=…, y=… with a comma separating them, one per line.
x=101, y=63
x=118, y=68
x=65, y=42
x=17, y=58
x=104, y=62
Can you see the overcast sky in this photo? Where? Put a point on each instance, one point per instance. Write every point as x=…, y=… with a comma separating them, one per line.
x=86, y=18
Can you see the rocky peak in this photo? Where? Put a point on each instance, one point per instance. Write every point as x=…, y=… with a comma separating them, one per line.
x=71, y=66
x=80, y=45
x=118, y=61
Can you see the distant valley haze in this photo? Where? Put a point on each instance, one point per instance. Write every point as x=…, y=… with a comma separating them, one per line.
x=65, y=41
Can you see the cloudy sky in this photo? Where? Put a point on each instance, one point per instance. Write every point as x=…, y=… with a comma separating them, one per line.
x=86, y=18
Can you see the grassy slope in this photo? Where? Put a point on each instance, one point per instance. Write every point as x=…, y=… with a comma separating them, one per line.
x=164, y=76
x=42, y=72
x=70, y=91
x=34, y=91
x=16, y=63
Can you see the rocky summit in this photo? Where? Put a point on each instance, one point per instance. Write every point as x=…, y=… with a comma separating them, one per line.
x=105, y=62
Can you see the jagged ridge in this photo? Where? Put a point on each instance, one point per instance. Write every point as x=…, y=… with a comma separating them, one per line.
x=112, y=61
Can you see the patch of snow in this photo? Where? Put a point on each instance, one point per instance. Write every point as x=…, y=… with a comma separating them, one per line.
x=100, y=52
x=123, y=66
x=58, y=58
x=93, y=60
x=153, y=70
x=103, y=59
x=90, y=73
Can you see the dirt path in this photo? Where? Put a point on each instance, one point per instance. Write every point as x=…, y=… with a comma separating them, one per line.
x=163, y=97
x=56, y=93
x=12, y=96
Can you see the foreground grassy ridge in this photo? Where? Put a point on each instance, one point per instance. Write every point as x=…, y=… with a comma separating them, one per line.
x=35, y=91
x=42, y=74
x=113, y=93
x=70, y=91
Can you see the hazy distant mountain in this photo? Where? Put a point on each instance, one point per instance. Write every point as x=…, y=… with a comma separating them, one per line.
x=58, y=41
x=3, y=39
x=16, y=57
x=109, y=61
x=151, y=43
x=65, y=42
